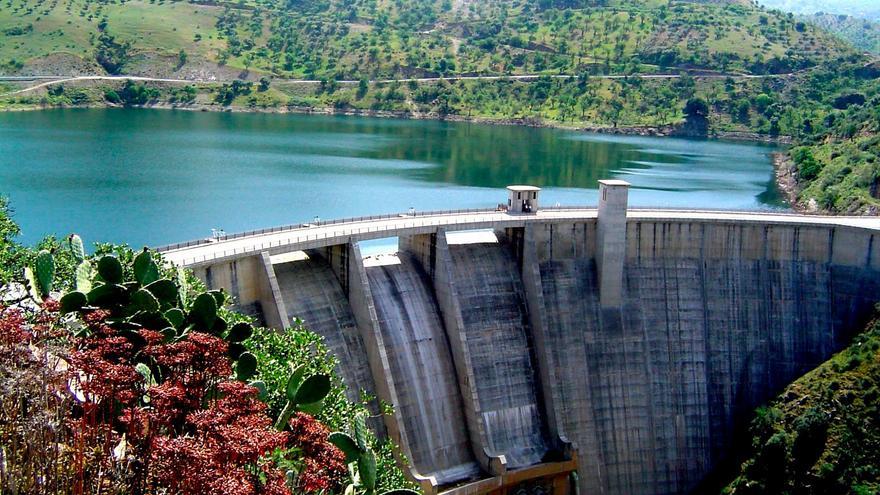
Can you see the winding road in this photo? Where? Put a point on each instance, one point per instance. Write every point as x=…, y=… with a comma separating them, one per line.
x=50, y=80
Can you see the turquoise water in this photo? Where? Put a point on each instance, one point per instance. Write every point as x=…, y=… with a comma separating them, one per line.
x=149, y=177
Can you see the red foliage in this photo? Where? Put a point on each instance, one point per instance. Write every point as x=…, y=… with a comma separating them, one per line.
x=199, y=357
x=102, y=366
x=196, y=431
x=12, y=328
x=193, y=431
x=324, y=462
x=229, y=435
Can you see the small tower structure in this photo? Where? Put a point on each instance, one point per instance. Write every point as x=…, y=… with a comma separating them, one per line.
x=522, y=199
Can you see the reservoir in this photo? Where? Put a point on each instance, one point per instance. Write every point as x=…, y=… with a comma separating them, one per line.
x=150, y=177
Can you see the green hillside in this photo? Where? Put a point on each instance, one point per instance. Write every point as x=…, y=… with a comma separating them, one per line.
x=863, y=34
x=354, y=39
x=822, y=435
x=838, y=163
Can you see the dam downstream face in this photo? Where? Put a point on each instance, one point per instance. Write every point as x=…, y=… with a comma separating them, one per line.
x=501, y=354
x=80, y=170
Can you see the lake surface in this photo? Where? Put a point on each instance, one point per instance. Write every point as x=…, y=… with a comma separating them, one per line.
x=150, y=177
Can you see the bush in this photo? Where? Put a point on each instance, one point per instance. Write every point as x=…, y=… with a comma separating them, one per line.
x=112, y=96
x=808, y=166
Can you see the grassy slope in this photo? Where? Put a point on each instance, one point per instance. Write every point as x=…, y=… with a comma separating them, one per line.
x=822, y=435
x=71, y=27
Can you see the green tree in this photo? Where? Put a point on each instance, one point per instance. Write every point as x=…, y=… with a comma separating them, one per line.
x=696, y=109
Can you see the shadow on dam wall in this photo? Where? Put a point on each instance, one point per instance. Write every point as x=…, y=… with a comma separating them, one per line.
x=629, y=349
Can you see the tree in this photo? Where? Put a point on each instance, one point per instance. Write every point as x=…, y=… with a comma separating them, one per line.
x=111, y=54
x=696, y=112
x=696, y=109
x=264, y=84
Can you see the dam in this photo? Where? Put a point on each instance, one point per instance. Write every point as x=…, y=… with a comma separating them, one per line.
x=599, y=350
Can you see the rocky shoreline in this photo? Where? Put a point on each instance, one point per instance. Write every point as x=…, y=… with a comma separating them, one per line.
x=786, y=178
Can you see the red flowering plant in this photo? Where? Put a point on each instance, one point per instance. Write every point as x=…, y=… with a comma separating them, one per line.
x=150, y=387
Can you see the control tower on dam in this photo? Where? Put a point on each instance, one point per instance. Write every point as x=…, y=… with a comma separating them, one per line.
x=617, y=350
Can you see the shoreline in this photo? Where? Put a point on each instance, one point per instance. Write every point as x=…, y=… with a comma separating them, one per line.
x=647, y=131
x=785, y=172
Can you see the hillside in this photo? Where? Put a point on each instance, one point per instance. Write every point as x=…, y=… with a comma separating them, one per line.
x=822, y=435
x=356, y=39
x=863, y=34
x=837, y=166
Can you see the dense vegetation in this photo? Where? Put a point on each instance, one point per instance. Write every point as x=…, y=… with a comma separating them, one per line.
x=120, y=374
x=837, y=162
x=822, y=435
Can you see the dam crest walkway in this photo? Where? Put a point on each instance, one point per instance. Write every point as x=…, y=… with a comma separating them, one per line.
x=307, y=235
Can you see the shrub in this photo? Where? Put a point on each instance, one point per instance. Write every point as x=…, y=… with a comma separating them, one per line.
x=821, y=434
x=279, y=351
x=134, y=383
x=808, y=166
x=127, y=386
x=112, y=96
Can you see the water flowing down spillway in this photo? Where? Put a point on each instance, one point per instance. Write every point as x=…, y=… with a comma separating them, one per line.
x=423, y=370
x=312, y=293
x=495, y=326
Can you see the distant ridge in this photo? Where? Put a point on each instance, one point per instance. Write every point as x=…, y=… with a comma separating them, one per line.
x=864, y=9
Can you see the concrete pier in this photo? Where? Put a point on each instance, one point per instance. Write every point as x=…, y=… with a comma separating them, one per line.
x=611, y=240
x=630, y=345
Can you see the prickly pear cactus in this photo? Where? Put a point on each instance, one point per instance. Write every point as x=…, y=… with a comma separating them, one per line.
x=44, y=269
x=76, y=248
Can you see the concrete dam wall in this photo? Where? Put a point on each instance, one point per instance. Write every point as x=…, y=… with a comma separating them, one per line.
x=628, y=346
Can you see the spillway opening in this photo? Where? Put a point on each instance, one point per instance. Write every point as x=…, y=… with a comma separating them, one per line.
x=421, y=367
x=312, y=287
x=463, y=237
x=380, y=252
x=290, y=257
x=376, y=247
